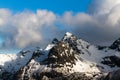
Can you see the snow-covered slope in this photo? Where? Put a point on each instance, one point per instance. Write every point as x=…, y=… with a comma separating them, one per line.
x=60, y=58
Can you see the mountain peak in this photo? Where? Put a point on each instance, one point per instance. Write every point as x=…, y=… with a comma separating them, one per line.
x=116, y=45
x=69, y=56
x=68, y=34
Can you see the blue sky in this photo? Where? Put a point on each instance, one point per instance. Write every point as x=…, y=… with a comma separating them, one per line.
x=56, y=6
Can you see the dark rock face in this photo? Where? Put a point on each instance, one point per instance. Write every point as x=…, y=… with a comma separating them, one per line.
x=6, y=76
x=78, y=76
x=72, y=40
x=72, y=76
x=116, y=45
x=59, y=76
x=111, y=61
x=61, y=54
x=115, y=75
x=25, y=72
x=55, y=41
x=101, y=47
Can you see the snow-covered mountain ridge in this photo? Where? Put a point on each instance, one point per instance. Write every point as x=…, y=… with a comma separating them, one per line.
x=62, y=59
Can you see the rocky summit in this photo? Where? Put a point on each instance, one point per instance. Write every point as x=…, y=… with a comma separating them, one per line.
x=70, y=58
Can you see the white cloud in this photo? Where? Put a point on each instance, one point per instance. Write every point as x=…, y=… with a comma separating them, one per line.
x=100, y=25
x=4, y=16
x=30, y=25
x=102, y=6
x=25, y=28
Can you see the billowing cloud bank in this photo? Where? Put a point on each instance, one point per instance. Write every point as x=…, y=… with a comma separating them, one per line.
x=100, y=24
